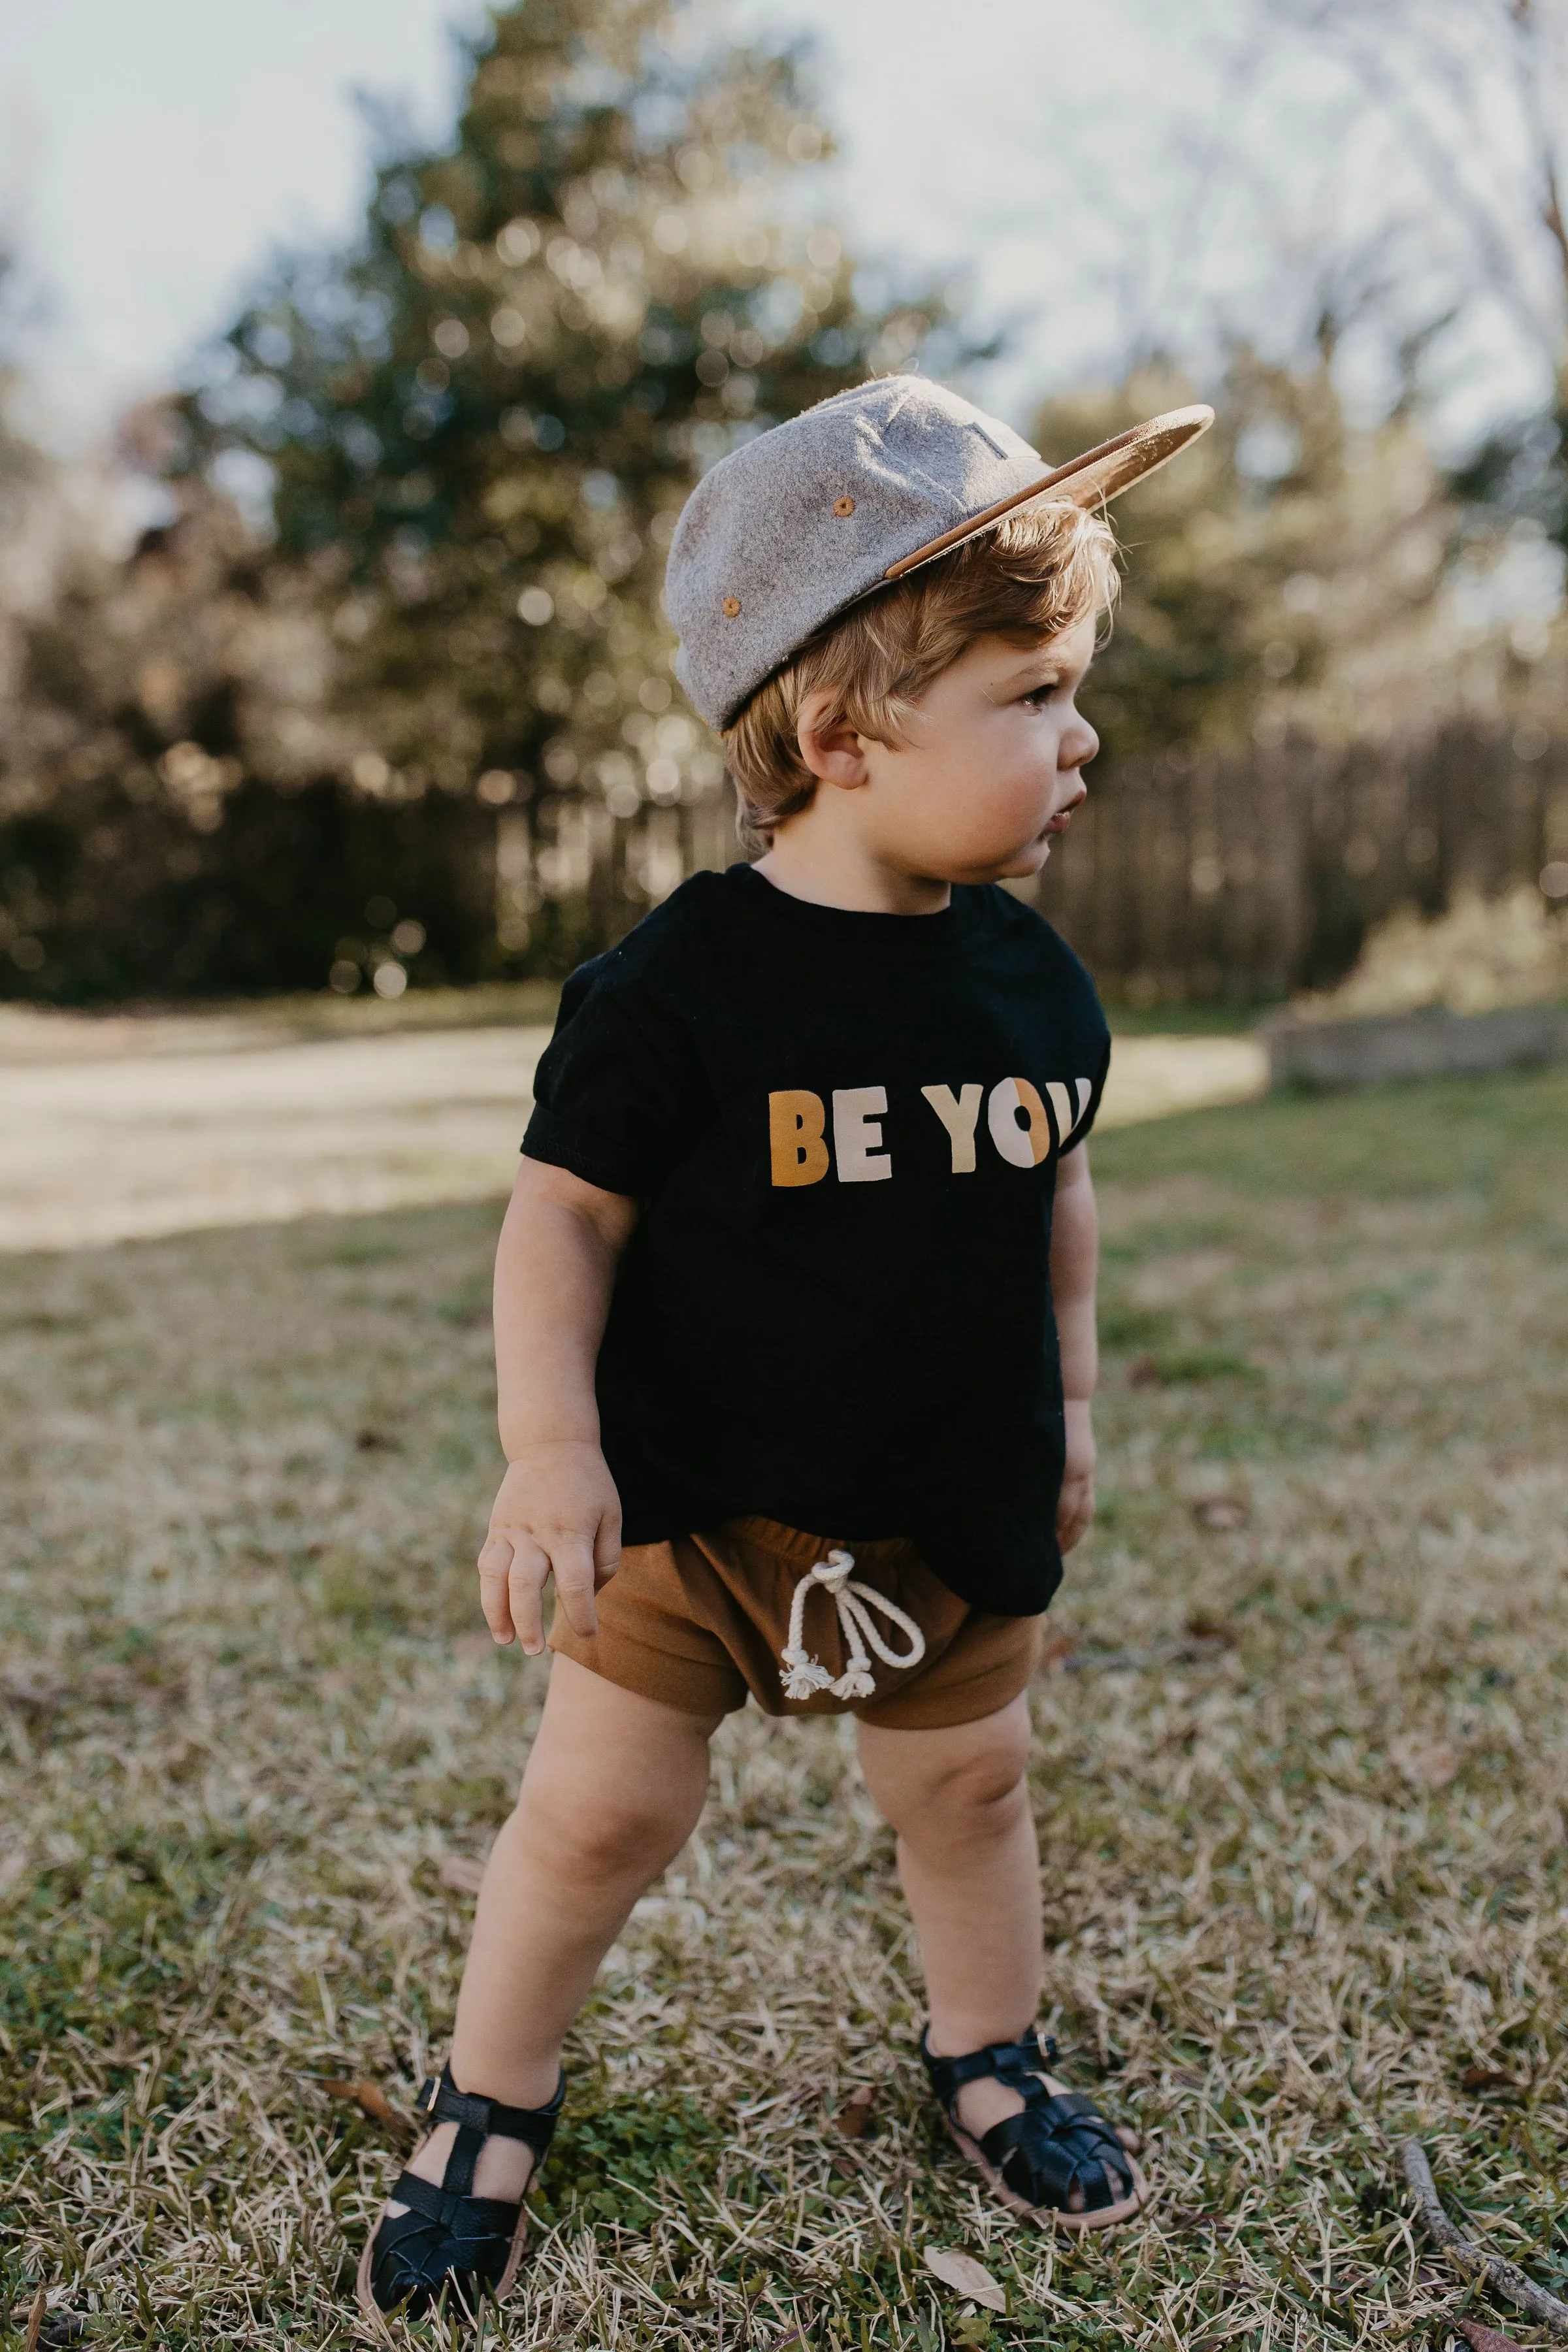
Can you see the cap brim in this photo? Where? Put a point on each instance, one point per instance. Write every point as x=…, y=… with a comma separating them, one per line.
x=1100, y=473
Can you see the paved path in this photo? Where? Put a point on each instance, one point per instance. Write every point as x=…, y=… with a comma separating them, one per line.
x=112, y=1129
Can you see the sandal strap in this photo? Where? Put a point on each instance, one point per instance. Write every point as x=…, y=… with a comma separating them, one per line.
x=463, y=2217
x=477, y=2119
x=1016, y=2064
x=441, y=2102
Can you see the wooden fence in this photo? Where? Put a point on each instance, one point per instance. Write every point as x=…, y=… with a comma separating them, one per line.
x=1181, y=880
x=1184, y=877
x=1192, y=879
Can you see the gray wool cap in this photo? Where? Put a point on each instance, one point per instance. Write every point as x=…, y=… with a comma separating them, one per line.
x=793, y=526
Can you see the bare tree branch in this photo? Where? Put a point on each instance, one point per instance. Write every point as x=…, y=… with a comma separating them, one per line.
x=1427, y=73
x=1469, y=2259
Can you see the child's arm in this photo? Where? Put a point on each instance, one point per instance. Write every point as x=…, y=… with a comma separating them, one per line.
x=1075, y=1259
x=557, y=1510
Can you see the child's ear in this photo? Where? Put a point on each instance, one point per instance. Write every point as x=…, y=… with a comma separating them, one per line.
x=830, y=747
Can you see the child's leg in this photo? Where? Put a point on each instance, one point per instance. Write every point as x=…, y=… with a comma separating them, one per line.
x=970, y=1867
x=613, y=1790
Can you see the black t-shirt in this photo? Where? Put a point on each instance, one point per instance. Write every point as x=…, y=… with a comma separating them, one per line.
x=843, y=1130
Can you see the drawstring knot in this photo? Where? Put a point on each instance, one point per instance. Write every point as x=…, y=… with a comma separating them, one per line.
x=804, y=1676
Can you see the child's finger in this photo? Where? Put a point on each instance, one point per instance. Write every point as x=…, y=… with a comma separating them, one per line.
x=525, y=1595
x=572, y=1560
x=495, y=1566
x=1073, y=1516
x=607, y=1547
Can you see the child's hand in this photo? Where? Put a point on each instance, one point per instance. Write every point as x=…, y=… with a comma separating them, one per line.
x=1075, y=1508
x=557, y=1513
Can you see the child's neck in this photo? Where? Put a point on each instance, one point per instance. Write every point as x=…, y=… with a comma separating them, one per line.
x=831, y=868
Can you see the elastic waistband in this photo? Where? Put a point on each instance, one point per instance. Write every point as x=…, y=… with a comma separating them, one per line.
x=803, y=1551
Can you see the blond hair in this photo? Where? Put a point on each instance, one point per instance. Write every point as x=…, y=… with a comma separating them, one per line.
x=1034, y=575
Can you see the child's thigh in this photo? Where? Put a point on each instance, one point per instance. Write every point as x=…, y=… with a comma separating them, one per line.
x=956, y=1768
x=608, y=1753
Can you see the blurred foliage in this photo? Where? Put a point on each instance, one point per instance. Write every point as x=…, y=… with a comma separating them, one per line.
x=1519, y=473
x=1279, y=575
x=418, y=507
x=480, y=425
x=385, y=692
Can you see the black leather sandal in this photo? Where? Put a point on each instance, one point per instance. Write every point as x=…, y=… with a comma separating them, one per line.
x=1059, y=2147
x=448, y=2237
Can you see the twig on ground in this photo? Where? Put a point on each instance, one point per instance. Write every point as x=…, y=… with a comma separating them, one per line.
x=1491, y=2269
x=1163, y=1653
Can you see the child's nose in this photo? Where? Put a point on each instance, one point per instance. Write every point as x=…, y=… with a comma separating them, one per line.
x=1080, y=746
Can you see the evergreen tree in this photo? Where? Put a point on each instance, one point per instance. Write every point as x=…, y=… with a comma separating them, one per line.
x=480, y=424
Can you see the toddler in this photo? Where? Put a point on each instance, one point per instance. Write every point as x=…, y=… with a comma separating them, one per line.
x=794, y=1298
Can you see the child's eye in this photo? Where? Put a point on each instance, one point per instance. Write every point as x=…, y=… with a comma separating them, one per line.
x=1039, y=696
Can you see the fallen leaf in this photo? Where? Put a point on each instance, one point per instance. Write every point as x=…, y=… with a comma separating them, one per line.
x=965, y=2276
x=61, y=2328
x=1213, y=1630
x=1143, y=1373
x=855, y=2113
x=1220, y=1512
x=35, y=2320
x=1486, y=2078
x=369, y=2097
x=460, y=1871
x=1056, y=1652
x=1484, y=2339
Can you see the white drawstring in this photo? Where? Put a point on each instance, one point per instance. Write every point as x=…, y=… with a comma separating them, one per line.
x=802, y=1676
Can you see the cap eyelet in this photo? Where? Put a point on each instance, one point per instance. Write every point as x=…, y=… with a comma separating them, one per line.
x=732, y=608
x=844, y=506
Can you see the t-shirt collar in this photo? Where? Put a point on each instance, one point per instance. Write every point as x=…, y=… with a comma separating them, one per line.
x=852, y=925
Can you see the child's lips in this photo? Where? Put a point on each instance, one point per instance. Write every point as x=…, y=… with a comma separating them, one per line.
x=1064, y=816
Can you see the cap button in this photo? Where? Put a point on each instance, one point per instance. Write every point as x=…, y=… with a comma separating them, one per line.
x=844, y=506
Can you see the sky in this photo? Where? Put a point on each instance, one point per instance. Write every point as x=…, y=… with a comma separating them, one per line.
x=1051, y=151
x=152, y=156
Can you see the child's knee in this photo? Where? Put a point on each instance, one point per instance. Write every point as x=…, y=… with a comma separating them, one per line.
x=966, y=1786
x=631, y=1834
x=987, y=1789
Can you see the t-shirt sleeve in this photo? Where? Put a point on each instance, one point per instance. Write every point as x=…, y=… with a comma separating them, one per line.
x=620, y=1093
x=1081, y=1130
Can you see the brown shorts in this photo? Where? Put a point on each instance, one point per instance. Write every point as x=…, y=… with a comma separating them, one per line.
x=701, y=1621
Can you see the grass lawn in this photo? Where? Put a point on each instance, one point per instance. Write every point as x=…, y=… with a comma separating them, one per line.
x=1301, y=1784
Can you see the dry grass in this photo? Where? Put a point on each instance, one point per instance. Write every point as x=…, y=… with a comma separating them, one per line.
x=1300, y=1788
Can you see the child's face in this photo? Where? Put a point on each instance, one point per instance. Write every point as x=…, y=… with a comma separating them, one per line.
x=987, y=775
